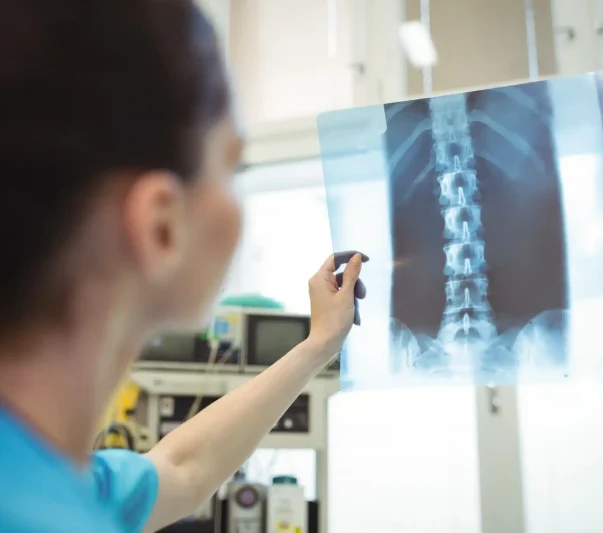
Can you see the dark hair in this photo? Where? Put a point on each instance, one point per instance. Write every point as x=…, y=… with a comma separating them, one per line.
x=88, y=87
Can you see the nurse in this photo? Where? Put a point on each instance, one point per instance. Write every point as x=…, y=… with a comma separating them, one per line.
x=118, y=220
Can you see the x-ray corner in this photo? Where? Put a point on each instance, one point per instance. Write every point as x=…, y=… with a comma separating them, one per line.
x=482, y=213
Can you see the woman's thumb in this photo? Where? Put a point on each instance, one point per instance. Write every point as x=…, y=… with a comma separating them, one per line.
x=351, y=273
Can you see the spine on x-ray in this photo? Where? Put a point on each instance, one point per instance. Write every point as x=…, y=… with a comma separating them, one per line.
x=467, y=315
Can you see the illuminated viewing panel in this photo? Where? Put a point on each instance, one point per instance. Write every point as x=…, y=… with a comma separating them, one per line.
x=482, y=213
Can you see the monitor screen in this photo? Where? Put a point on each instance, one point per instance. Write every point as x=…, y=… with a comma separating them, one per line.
x=273, y=337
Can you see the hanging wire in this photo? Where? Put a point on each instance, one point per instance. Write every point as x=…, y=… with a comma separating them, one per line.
x=215, y=364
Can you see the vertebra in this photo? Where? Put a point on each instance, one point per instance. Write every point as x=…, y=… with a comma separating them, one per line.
x=467, y=316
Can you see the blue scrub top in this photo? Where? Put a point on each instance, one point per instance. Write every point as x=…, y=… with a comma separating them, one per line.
x=43, y=492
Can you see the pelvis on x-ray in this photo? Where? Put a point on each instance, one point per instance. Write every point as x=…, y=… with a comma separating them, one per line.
x=476, y=213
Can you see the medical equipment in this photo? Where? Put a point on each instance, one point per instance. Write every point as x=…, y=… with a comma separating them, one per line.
x=168, y=398
x=238, y=340
x=191, y=351
x=260, y=336
x=286, y=507
x=245, y=512
x=178, y=376
x=279, y=507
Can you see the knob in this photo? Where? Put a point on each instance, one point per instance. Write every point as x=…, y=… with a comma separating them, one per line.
x=568, y=31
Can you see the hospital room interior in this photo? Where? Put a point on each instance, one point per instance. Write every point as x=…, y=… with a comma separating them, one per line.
x=325, y=90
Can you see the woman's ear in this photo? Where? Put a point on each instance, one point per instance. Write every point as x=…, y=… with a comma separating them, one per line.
x=155, y=224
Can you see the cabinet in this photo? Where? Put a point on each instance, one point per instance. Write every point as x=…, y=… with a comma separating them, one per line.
x=578, y=29
x=485, y=42
x=294, y=59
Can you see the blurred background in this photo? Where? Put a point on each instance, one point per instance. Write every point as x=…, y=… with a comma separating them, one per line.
x=413, y=460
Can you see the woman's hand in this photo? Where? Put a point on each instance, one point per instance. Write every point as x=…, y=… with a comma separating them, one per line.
x=333, y=300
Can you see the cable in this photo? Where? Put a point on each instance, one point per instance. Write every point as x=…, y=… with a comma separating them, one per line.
x=214, y=365
x=214, y=345
x=120, y=430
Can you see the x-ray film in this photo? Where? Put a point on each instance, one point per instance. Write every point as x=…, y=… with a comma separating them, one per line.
x=482, y=213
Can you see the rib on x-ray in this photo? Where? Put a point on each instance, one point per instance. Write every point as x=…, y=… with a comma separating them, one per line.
x=482, y=213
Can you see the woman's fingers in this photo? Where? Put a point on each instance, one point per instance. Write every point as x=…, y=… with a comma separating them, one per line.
x=341, y=258
x=359, y=287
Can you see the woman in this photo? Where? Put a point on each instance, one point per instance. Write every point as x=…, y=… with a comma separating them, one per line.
x=117, y=148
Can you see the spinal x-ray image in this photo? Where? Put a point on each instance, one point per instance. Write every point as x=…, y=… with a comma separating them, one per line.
x=482, y=213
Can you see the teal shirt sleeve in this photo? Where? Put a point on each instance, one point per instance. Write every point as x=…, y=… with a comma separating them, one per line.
x=127, y=485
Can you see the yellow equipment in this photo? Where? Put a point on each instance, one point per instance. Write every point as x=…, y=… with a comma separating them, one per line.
x=116, y=430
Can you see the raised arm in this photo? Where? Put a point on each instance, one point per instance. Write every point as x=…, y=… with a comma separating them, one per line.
x=196, y=458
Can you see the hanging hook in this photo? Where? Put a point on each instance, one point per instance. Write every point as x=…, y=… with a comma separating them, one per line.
x=493, y=399
x=568, y=31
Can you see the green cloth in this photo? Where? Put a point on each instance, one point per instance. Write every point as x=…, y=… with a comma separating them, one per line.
x=251, y=300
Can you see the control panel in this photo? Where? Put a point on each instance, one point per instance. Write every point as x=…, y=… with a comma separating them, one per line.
x=297, y=417
x=227, y=327
x=173, y=410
